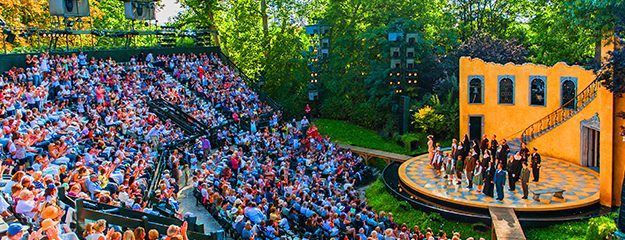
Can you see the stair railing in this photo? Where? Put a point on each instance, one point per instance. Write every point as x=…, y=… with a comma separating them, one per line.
x=561, y=114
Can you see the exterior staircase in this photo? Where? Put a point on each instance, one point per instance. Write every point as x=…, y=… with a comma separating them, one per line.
x=560, y=115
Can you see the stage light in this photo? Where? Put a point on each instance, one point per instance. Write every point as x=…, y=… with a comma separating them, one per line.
x=398, y=74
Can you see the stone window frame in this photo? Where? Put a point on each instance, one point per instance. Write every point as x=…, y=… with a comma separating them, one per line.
x=562, y=80
x=470, y=78
x=544, y=79
x=499, y=79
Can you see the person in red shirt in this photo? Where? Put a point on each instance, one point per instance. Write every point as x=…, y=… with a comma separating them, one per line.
x=235, y=117
x=234, y=164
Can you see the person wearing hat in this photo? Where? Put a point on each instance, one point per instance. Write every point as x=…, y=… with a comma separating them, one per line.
x=18, y=232
x=175, y=232
x=51, y=230
x=536, y=164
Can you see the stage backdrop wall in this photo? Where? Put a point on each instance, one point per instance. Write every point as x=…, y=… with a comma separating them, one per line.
x=563, y=141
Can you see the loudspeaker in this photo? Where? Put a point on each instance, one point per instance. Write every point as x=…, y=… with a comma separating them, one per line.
x=69, y=8
x=139, y=10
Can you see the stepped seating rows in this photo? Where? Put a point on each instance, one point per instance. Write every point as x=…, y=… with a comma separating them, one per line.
x=127, y=218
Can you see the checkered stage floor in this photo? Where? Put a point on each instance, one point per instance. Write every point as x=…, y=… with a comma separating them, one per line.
x=581, y=186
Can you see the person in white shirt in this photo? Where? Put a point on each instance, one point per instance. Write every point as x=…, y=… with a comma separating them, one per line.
x=26, y=204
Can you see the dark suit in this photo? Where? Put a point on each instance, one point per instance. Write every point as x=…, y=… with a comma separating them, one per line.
x=493, y=148
x=488, y=178
x=502, y=155
x=536, y=166
x=524, y=154
x=514, y=170
x=470, y=166
x=525, y=178
x=500, y=180
x=484, y=145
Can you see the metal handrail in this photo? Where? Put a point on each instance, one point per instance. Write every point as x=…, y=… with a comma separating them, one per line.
x=561, y=114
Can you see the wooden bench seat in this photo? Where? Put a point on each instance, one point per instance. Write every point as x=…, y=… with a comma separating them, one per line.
x=557, y=192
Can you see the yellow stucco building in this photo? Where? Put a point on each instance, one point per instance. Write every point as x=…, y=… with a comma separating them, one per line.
x=560, y=109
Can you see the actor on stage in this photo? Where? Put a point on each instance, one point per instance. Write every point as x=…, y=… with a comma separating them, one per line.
x=488, y=179
x=431, y=149
x=514, y=169
x=525, y=178
x=477, y=176
x=459, y=168
x=450, y=169
x=484, y=143
x=499, y=181
x=493, y=148
x=525, y=153
x=535, y=164
x=470, y=166
x=502, y=153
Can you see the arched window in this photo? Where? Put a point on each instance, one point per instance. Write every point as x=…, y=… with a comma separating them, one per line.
x=568, y=87
x=506, y=89
x=476, y=88
x=537, y=90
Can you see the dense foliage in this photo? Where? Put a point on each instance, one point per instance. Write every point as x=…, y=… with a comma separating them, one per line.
x=268, y=36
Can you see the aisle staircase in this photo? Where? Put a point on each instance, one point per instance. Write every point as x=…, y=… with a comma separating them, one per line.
x=560, y=115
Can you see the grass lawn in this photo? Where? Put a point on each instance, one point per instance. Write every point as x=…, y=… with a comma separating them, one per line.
x=569, y=231
x=381, y=200
x=347, y=133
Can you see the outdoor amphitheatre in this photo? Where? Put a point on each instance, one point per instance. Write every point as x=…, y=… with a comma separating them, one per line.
x=312, y=119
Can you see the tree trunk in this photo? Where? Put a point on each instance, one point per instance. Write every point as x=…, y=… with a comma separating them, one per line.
x=263, y=12
x=211, y=18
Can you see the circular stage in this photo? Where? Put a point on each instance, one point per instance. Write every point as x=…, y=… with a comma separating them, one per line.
x=581, y=187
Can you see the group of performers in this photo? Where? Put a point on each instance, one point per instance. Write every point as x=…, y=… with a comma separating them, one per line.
x=485, y=165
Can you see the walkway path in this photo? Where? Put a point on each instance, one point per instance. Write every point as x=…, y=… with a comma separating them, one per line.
x=368, y=153
x=187, y=204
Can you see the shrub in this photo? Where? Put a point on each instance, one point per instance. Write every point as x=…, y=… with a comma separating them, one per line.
x=427, y=120
x=410, y=138
x=600, y=228
x=366, y=114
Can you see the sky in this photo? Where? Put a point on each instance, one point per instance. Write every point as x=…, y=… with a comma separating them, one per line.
x=170, y=9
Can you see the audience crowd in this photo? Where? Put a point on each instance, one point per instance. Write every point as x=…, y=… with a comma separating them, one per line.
x=83, y=125
x=283, y=180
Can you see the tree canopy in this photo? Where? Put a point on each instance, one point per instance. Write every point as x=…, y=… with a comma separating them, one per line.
x=268, y=36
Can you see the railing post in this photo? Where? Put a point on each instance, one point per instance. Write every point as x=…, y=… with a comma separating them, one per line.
x=144, y=220
x=80, y=215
